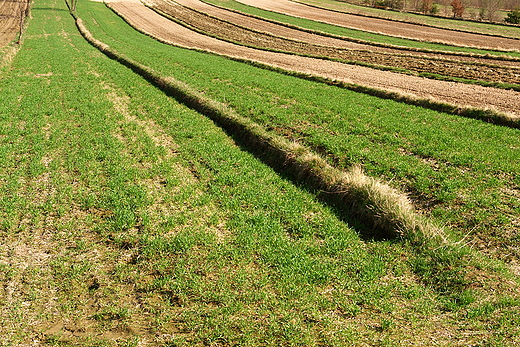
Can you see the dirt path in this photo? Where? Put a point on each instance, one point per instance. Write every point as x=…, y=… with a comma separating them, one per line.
x=299, y=42
x=383, y=26
x=165, y=30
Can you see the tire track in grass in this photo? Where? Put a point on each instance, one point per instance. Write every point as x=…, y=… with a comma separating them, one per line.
x=162, y=208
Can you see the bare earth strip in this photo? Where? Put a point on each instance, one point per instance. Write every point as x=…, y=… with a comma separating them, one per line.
x=10, y=19
x=165, y=30
x=239, y=32
x=272, y=28
x=299, y=35
x=383, y=26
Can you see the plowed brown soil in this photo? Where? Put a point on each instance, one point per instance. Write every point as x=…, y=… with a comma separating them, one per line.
x=383, y=26
x=12, y=13
x=299, y=35
x=165, y=30
x=304, y=43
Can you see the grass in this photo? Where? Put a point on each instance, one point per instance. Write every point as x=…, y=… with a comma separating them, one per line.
x=372, y=201
x=352, y=33
x=129, y=219
x=131, y=226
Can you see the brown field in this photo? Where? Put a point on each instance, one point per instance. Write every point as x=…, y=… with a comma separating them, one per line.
x=253, y=32
x=163, y=29
x=387, y=27
x=12, y=13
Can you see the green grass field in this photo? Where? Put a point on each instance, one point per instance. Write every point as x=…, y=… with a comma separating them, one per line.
x=128, y=219
x=423, y=152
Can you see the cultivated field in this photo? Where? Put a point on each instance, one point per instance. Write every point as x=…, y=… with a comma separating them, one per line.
x=387, y=27
x=473, y=26
x=12, y=13
x=271, y=36
x=507, y=101
x=255, y=181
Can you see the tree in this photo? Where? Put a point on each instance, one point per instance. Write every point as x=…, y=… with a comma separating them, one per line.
x=513, y=16
x=488, y=9
x=457, y=8
x=427, y=6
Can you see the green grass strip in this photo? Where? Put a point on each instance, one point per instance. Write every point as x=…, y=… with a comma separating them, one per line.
x=490, y=116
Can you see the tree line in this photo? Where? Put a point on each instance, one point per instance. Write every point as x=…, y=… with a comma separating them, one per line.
x=484, y=10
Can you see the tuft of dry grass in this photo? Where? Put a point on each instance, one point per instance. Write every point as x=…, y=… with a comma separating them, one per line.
x=7, y=55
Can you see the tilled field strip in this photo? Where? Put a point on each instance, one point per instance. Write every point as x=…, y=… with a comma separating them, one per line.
x=165, y=30
x=235, y=28
x=269, y=27
x=441, y=22
x=387, y=27
x=10, y=12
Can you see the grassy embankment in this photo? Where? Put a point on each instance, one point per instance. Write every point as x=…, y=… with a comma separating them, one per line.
x=128, y=218
x=352, y=34
x=455, y=24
